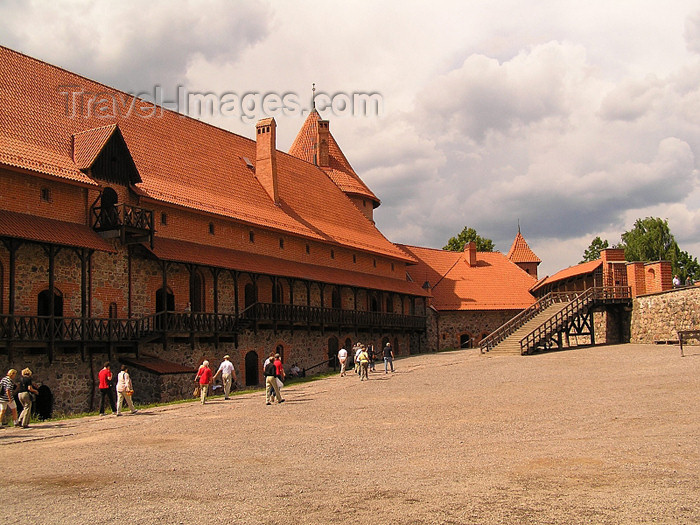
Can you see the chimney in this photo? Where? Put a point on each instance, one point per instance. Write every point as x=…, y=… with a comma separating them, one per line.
x=266, y=157
x=322, y=136
x=470, y=253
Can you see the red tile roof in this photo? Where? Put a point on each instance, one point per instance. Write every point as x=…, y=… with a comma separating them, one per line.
x=186, y=252
x=495, y=283
x=568, y=273
x=181, y=161
x=339, y=170
x=39, y=229
x=520, y=251
x=88, y=144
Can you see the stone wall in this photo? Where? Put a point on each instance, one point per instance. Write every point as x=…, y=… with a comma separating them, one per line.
x=445, y=330
x=658, y=317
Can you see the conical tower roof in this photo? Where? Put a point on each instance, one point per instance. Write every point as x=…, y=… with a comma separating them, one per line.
x=520, y=252
x=339, y=169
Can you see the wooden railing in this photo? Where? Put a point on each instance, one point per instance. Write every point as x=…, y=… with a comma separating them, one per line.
x=27, y=328
x=562, y=319
x=512, y=325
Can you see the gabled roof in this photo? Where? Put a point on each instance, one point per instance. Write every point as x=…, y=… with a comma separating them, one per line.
x=495, y=283
x=520, y=251
x=180, y=160
x=339, y=170
x=569, y=273
x=87, y=145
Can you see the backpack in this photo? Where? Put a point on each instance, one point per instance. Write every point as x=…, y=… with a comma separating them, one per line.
x=271, y=369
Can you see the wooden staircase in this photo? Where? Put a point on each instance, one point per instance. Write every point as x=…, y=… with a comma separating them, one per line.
x=511, y=344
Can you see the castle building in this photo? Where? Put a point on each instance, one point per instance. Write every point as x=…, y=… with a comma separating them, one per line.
x=136, y=235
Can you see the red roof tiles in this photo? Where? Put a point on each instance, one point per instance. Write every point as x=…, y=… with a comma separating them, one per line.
x=520, y=251
x=39, y=229
x=186, y=252
x=339, y=170
x=568, y=273
x=181, y=161
x=495, y=283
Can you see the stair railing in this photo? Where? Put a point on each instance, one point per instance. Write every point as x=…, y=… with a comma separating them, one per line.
x=512, y=325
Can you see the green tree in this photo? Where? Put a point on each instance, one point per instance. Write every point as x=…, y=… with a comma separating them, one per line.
x=650, y=240
x=592, y=253
x=688, y=266
x=456, y=244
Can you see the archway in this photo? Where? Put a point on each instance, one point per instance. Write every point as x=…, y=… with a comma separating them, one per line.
x=165, y=301
x=465, y=341
x=43, y=307
x=198, y=292
x=332, y=351
x=251, y=368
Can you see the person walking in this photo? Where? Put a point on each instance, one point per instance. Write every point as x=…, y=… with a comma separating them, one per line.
x=271, y=387
x=204, y=376
x=124, y=391
x=388, y=358
x=281, y=375
x=7, y=399
x=364, y=364
x=372, y=357
x=228, y=374
x=358, y=350
x=27, y=391
x=342, y=359
x=105, y=385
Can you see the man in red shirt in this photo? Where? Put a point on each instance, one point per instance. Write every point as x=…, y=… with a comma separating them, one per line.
x=105, y=377
x=204, y=375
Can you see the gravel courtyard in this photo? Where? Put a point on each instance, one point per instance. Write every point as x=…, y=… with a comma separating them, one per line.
x=603, y=435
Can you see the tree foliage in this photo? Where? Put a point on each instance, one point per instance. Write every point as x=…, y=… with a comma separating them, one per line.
x=456, y=244
x=592, y=253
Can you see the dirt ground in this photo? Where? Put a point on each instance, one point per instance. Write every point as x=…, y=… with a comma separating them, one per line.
x=603, y=435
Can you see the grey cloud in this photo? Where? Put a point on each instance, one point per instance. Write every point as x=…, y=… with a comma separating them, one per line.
x=632, y=99
x=135, y=45
x=484, y=95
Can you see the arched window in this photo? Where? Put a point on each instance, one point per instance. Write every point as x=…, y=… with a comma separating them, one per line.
x=44, y=303
x=198, y=292
x=390, y=304
x=279, y=349
x=335, y=299
x=278, y=293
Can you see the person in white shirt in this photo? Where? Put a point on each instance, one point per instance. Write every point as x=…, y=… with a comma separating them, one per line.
x=124, y=391
x=343, y=359
x=228, y=374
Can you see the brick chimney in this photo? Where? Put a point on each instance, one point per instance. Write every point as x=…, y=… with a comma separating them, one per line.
x=322, y=137
x=266, y=157
x=470, y=253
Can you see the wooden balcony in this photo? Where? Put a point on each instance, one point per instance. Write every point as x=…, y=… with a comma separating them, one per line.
x=43, y=329
x=130, y=223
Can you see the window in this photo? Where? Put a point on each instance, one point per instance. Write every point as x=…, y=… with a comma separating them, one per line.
x=332, y=254
x=281, y=244
x=251, y=236
x=46, y=194
x=164, y=218
x=308, y=249
x=374, y=261
x=211, y=228
x=354, y=258
x=392, y=267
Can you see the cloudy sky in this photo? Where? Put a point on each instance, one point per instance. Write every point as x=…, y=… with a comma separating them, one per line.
x=573, y=118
